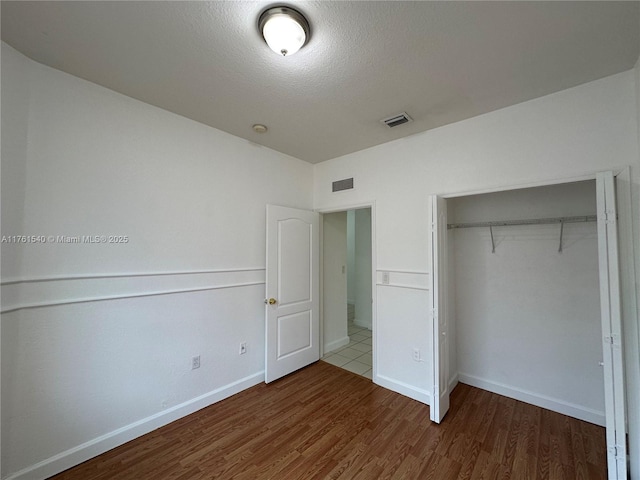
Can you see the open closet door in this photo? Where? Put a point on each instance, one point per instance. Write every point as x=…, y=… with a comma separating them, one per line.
x=292, y=291
x=440, y=399
x=615, y=412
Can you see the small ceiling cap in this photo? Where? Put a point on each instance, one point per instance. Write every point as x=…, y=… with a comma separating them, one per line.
x=284, y=29
x=259, y=128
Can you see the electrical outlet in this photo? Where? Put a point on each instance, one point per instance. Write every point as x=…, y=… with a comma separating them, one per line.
x=195, y=362
x=243, y=348
x=416, y=354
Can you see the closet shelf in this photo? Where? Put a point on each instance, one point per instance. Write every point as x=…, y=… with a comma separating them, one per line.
x=533, y=221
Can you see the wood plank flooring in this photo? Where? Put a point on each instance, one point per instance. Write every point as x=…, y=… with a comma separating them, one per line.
x=327, y=423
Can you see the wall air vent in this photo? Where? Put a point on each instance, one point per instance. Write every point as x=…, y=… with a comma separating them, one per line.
x=339, y=185
x=396, y=120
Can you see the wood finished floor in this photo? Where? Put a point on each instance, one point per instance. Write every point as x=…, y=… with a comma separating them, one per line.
x=327, y=423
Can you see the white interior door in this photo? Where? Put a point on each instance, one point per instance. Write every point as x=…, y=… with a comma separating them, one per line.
x=440, y=398
x=292, y=291
x=615, y=412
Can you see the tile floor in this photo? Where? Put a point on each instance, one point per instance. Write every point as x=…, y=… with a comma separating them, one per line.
x=356, y=356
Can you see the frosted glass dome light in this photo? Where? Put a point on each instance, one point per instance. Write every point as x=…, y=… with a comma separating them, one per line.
x=284, y=29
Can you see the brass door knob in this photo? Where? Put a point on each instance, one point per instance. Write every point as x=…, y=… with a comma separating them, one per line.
x=271, y=301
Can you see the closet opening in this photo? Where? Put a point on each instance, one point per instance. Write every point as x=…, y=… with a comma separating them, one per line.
x=527, y=303
x=524, y=303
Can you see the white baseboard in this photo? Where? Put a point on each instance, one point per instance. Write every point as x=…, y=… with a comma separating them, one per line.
x=453, y=381
x=362, y=324
x=331, y=346
x=403, y=389
x=104, y=443
x=554, y=404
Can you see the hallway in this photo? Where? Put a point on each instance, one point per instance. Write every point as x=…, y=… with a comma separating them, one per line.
x=357, y=356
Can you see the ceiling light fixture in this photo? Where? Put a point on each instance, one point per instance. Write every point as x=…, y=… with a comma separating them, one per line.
x=284, y=29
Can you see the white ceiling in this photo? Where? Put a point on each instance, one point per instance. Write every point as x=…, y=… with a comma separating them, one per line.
x=439, y=61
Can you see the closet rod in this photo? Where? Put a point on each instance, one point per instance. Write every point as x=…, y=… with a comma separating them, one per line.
x=533, y=221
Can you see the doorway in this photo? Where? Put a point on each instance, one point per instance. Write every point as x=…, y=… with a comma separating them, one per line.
x=347, y=290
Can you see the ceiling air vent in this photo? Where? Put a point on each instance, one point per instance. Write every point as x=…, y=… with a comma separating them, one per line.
x=396, y=120
x=339, y=185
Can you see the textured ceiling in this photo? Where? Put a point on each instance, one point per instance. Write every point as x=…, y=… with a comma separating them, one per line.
x=439, y=61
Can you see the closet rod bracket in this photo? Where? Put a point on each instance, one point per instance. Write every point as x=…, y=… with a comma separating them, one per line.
x=561, y=232
x=493, y=245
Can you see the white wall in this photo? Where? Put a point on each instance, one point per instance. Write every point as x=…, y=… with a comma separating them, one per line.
x=14, y=151
x=90, y=362
x=633, y=362
x=351, y=256
x=528, y=316
x=12, y=175
x=362, y=262
x=637, y=75
x=334, y=293
x=578, y=131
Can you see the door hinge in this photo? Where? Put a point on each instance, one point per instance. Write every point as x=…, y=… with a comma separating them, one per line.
x=610, y=217
x=616, y=451
x=613, y=340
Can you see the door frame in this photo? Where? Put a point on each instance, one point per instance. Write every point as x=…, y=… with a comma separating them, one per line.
x=374, y=314
x=630, y=320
